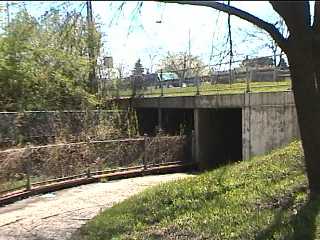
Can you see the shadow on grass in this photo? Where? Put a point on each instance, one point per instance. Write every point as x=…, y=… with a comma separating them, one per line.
x=299, y=225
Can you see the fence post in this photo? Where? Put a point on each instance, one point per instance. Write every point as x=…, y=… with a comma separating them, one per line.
x=275, y=74
x=161, y=86
x=248, y=80
x=144, y=151
x=198, y=90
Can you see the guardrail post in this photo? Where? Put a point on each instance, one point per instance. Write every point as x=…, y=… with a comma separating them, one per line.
x=28, y=170
x=144, y=151
x=88, y=172
x=28, y=185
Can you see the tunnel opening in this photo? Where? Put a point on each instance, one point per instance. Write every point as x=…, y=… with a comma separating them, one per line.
x=147, y=120
x=220, y=136
x=177, y=121
x=173, y=121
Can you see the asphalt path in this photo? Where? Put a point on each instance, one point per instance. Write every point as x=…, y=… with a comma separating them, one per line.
x=59, y=214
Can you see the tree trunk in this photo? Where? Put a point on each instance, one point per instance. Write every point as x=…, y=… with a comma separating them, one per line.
x=305, y=74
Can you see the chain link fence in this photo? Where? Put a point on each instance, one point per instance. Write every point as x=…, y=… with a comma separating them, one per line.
x=49, y=127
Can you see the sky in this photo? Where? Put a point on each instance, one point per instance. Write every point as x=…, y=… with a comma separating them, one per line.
x=168, y=27
x=151, y=40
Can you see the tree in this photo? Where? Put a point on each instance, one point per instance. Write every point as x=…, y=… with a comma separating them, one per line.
x=302, y=48
x=137, y=77
x=183, y=64
x=138, y=68
x=45, y=62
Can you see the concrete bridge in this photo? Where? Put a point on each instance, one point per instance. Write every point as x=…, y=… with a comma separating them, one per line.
x=226, y=127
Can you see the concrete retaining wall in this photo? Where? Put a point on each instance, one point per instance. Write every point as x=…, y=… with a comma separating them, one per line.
x=268, y=127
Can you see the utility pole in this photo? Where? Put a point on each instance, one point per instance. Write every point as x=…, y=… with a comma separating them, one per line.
x=92, y=73
x=230, y=43
x=189, y=46
x=8, y=13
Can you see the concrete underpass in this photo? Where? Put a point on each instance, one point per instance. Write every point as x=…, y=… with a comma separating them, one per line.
x=227, y=127
x=219, y=136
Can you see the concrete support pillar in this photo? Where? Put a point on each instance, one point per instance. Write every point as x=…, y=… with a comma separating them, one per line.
x=196, y=136
x=246, y=128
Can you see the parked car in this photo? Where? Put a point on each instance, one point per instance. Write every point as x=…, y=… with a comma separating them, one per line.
x=168, y=79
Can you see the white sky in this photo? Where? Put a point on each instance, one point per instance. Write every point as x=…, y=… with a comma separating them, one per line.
x=150, y=39
x=156, y=39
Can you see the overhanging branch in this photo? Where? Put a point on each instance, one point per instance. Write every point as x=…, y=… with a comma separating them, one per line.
x=268, y=27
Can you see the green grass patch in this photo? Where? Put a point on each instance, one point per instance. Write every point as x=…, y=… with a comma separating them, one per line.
x=213, y=89
x=8, y=185
x=262, y=198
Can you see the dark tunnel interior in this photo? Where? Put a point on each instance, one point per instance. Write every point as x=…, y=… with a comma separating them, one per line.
x=219, y=131
x=173, y=121
x=220, y=136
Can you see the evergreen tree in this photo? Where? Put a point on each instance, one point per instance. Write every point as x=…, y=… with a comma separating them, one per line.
x=137, y=77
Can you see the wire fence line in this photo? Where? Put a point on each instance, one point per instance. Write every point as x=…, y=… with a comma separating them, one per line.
x=251, y=75
x=49, y=127
x=27, y=167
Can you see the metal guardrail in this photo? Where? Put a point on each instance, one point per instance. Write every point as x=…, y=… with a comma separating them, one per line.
x=169, y=167
x=33, y=163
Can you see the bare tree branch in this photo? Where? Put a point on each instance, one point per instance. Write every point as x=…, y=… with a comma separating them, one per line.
x=268, y=27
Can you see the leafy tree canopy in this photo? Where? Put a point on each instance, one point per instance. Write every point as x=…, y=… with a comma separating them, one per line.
x=184, y=65
x=44, y=62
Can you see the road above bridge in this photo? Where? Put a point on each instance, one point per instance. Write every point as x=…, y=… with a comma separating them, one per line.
x=58, y=215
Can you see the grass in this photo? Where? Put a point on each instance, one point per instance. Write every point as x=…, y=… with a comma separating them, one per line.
x=262, y=198
x=8, y=185
x=14, y=184
x=209, y=89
